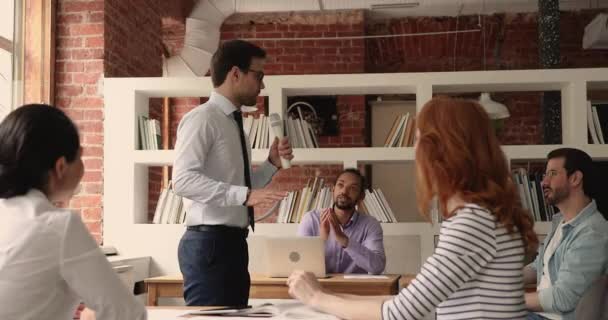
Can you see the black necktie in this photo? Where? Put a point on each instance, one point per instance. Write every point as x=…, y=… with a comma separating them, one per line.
x=238, y=116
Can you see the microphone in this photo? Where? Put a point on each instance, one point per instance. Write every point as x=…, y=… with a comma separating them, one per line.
x=277, y=127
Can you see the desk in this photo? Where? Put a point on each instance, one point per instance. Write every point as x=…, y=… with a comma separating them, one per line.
x=276, y=288
x=288, y=309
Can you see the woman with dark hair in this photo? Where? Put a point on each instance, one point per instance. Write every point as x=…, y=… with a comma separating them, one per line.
x=48, y=260
x=476, y=269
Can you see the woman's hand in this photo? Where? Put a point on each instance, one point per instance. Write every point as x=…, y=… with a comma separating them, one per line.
x=304, y=287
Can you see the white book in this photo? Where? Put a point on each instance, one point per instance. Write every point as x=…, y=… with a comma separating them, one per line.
x=158, y=135
x=281, y=211
x=390, y=210
x=591, y=124
x=162, y=199
x=300, y=130
x=297, y=199
x=403, y=130
x=380, y=205
x=254, y=128
x=290, y=206
x=264, y=132
x=535, y=201
x=303, y=202
x=247, y=124
x=166, y=215
x=369, y=205
x=307, y=138
x=313, y=136
x=372, y=206
x=268, y=141
x=598, y=127
x=303, y=131
x=261, y=132
x=175, y=208
x=255, y=141
x=291, y=133
x=526, y=186
x=143, y=142
x=169, y=207
x=151, y=135
x=395, y=138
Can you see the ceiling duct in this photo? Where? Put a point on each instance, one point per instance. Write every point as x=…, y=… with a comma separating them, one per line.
x=201, y=39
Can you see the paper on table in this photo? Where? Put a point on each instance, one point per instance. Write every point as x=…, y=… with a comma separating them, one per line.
x=165, y=314
x=364, y=276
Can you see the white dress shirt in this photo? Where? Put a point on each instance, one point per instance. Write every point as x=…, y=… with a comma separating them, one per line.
x=545, y=279
x=208, y=167
x=49, y=263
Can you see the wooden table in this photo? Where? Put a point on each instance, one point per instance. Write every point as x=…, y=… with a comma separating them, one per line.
x=263, y=287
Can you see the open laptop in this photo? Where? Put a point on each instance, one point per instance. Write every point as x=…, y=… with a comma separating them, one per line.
x=286, y=254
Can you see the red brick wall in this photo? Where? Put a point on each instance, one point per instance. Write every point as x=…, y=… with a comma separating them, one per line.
x=78, y=75
x=93, y=36
x=510, y=43
x=133, y=47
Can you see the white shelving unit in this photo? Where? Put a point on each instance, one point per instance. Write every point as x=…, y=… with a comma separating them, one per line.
x=125, y=167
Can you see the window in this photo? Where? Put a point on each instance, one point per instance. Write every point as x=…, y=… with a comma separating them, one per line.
x=10, y=55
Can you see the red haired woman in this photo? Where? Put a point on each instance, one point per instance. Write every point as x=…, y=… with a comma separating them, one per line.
x=476, y=269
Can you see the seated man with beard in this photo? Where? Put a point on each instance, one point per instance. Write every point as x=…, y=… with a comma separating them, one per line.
x=574, y=254
x=353, y=241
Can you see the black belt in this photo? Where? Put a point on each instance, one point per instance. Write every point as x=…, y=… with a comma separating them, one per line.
x=219, y=228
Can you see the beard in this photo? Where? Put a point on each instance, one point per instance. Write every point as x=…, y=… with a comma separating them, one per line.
x=248, y=99
x=555, y=196
x=343, y=202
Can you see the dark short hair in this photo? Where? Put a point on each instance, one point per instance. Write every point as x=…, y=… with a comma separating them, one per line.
x=577, y=160
x=233, y=53
x=356, y=173
x=32, y=138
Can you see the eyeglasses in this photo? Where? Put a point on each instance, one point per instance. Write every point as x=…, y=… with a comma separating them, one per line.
x=550, y=174
x=259, y=75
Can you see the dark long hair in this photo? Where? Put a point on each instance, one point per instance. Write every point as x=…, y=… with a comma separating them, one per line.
x=32, y=138
x=458, y=153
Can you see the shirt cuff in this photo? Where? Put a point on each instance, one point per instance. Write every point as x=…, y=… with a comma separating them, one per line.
x=268, y=168
x=237, y=195
x=384, y=309
x=545, y=299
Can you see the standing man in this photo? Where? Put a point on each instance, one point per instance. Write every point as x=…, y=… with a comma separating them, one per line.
x=212, y=168
x=575, y=252
x=353, y=241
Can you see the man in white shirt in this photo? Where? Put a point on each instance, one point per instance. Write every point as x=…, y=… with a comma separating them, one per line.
x=212, y=168
x=573, y=255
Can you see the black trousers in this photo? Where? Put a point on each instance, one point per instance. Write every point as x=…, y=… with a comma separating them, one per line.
x=214, y=264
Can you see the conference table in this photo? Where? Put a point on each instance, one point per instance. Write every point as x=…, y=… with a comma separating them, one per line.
x=263, y=287
x=289, y=310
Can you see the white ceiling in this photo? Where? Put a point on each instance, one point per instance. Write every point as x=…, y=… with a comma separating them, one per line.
x=418, y=7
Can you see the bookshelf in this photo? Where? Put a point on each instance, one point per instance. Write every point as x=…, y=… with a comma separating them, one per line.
x=125, y=167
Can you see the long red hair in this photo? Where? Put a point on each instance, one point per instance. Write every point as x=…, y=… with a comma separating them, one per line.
x=457, y=153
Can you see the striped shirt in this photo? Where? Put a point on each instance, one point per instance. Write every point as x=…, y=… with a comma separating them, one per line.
x=475, y=273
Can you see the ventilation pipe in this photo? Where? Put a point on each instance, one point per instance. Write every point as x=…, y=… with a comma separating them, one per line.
x=201, y=39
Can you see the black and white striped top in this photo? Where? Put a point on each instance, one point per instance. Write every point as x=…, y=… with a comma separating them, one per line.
x=475, y=273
